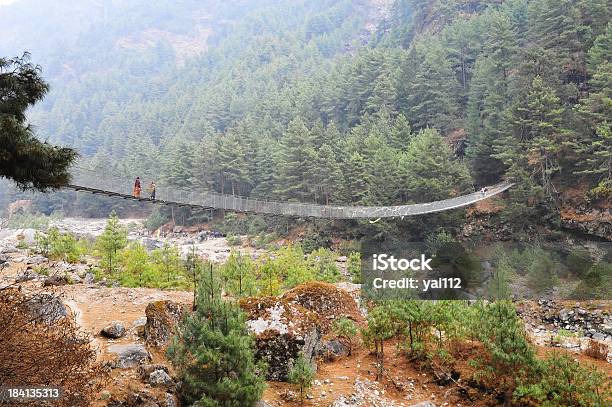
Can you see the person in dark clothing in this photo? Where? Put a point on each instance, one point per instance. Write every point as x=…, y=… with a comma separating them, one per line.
x=152, y=188
x=137, y=188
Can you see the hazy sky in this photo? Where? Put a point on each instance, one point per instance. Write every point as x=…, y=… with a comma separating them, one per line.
x=3, y=2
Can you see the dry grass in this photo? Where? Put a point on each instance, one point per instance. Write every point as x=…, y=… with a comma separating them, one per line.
x=38, y=349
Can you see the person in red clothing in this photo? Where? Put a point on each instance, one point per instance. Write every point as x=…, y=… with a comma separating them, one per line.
x=137, y=188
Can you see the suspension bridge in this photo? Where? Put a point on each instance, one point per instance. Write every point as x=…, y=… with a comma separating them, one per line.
x=86, y=180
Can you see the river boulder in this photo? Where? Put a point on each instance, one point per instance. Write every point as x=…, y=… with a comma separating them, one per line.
x=282, y=330
x=162, y=319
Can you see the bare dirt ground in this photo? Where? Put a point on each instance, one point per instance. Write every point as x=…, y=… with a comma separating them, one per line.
x=94, y=307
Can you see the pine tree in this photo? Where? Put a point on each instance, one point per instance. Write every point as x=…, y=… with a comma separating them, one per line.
x=462, y=42
x=555, y=25
x=356, y=178
x=238, y=273
x=594, y=147
x=539, y=121
x=327, y=175
x=269, y=277
x=265, y=176
x=509, y=359
x=177, y=163
x=23, y=158
x=295, y=155
x=597, y=154
x=383, y=176
x=383, y=91
x=135, y=261
x=400, y=134
x=213, y=352
x=232, y=163
x=301, y=373
x=113, y=239
x=430, y=88
x=346, y=329
x=379, y=329
x=167, y=260
x=205, y=166
x=430, y=171
x=498, y=286
x=490, y=99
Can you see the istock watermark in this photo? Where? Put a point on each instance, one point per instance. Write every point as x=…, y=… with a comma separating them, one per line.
x=456, y=270
x=384, y=262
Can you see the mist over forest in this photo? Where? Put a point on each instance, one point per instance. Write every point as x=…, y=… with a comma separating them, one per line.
x=355, y=102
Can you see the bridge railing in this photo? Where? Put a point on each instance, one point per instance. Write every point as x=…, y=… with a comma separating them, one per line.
x=112, y=184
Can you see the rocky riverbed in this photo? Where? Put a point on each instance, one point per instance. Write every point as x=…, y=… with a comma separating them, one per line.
x=130, y=327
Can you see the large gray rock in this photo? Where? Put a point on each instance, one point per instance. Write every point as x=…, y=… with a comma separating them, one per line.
x=423, y=404
x=114, y=330
x=36, y=260
x=333, y=350
x=9, y=249
x=89, y=278
x=46, y=308
x=4, y=261
x=28, y=236
x=171, y=400
x=282, y=331
x=129, y=355
x=26, y=275
x=152, y=244
x=74, y=278
x=159, y=378
x=55, y=280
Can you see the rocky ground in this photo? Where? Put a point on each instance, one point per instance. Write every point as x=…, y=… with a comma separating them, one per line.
x=130, y=328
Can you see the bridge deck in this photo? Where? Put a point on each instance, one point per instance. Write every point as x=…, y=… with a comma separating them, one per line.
x=114, y=187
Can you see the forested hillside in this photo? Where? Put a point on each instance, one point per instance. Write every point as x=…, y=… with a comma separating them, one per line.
x=300, y=101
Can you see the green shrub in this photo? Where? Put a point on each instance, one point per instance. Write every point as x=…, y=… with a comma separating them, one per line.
x=509, y=359
x=239, y=275
x=242, y=224
x=233, y=240
x=596, y=284
x=155, y=220
x=213, y=352
x=59, y=246
x=301, y=374
x=323, y=262
x=268, y=277
x=42, y=270
x=562, y=382
x=136, y=266
x=603, y=191
x=29, y=221
x=347, y=247
x=353, y=266
x=315, y=241
x=579, y=261
x=346, y=330
x=113, y=239
x=167, y=266
x=541, y=267
x=292, y=265
x=265, y=241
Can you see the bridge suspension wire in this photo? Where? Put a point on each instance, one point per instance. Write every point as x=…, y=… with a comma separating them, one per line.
x=95, y=182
